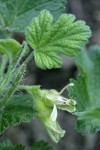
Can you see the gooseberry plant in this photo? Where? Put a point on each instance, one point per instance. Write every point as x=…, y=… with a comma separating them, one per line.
x=49, y=38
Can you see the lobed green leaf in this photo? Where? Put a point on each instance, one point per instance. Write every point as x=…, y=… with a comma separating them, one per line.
x=15, y=15
x=49, y=40
x=86, y=91
x=18, y=109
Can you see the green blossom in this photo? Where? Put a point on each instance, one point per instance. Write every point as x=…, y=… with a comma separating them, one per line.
x=46, y=103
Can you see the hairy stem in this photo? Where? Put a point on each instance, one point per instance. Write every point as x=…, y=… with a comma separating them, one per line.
x=14, y=86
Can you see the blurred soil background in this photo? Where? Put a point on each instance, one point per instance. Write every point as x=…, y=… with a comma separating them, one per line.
x=28, y=133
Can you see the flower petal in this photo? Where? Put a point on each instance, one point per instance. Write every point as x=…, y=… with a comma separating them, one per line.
x=54, y=113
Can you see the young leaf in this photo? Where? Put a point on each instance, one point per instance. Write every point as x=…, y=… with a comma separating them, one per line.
x=86, y=91
x=10, y=47
x=49, y=40
x=18, y=109
x=15, y=15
